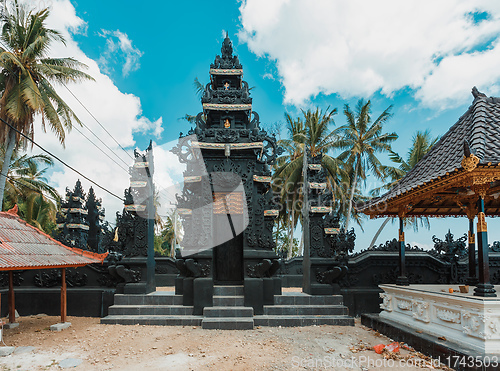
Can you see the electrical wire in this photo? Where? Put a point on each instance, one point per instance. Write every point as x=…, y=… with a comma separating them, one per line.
x=98, y=122
x=33, y=189
x=61, y=161
x=90, y=113
x=83, y=124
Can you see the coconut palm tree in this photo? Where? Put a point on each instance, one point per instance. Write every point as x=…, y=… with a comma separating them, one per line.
x=361, y=141
x=422, y=142
x=26, y=80
x=311, y=131
x=39, y=211
x=25, y=177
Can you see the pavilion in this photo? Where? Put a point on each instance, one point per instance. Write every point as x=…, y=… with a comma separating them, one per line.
x=459, y=176
x=23, y=247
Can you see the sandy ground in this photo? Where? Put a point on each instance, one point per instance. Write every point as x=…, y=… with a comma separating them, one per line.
x=107, y=347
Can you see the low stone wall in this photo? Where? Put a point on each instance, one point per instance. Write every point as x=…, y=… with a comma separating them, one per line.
x=371, y=268
x=90, y=288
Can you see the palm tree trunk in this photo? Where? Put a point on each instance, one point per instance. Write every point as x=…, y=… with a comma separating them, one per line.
x=351, y=197
x=378, y=232
x=290, y=237
x=9, y=149
x=301, y=245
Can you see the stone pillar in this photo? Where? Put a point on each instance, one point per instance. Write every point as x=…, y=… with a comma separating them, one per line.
x=484, y=287
x=402, y=280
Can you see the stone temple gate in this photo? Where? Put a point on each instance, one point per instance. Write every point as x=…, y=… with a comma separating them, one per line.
x=227, y=203
x=227, y=263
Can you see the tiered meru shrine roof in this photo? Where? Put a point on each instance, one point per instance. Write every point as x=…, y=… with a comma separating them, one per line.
x=445, y=182
x=23, y=246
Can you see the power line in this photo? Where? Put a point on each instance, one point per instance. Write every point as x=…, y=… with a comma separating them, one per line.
x=61, y=161
x=83, y=124
x=31, y=188
x=90, y=113
x=83, y=135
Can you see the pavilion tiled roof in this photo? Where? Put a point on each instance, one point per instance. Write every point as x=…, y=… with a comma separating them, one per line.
x=479, y=126
x=23, y=246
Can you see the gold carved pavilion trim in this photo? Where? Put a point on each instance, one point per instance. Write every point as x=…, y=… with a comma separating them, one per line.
x=401, y=236
x=472, y=238
x=481, y=223
x=478, y=180
x=470, y=163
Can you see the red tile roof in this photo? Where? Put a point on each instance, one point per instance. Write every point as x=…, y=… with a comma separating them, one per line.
x=23, y=246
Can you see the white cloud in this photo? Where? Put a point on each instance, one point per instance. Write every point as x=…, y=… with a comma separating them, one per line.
x=118, y=47
x=422, y=245
x=358, y=47
x=120, y=113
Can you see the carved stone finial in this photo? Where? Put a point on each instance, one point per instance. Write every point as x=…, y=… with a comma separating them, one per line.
x=227, y=48
x=476, y=93
x=467, y=151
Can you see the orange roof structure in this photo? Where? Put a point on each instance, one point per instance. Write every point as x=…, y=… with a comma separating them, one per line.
x=23, y=246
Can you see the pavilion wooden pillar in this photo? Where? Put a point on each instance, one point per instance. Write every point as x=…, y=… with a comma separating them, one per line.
x=63, y=295
x=402, y=280
x=12, y=299
x=472, y=279
x=484, y=287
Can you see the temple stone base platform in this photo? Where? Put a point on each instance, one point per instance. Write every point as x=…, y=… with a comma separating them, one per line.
x=228, y=311
x=431, y=319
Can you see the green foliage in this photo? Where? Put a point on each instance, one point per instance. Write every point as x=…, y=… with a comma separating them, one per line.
x=283, y=242
x=360, y=141
x=27, y=187
x=27, y=76
x=312, y=131
x=164, y=238
x=39, y=211
x=422, y=142
x=161, y=246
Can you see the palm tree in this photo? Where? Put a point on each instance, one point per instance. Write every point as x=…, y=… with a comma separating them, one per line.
x=26, y=80
x=39, y=211
x=27, y=187
x=312, y=132
x=25, y=177
x=360, y=140
x=422, y=142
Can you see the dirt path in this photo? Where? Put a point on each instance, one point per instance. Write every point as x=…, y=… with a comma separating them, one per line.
x=106, y=347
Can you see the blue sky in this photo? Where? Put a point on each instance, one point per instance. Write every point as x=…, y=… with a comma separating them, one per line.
x=298, y=54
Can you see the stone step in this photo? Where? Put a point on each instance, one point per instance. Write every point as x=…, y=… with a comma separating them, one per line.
x=296, y=321
x=158, y=298
x=228, y=301
x=171, y=320
x=305, y=310
x=305, y=299
x=218, y=312
x=228, y=290
x=231, y=323
x=159, y=310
